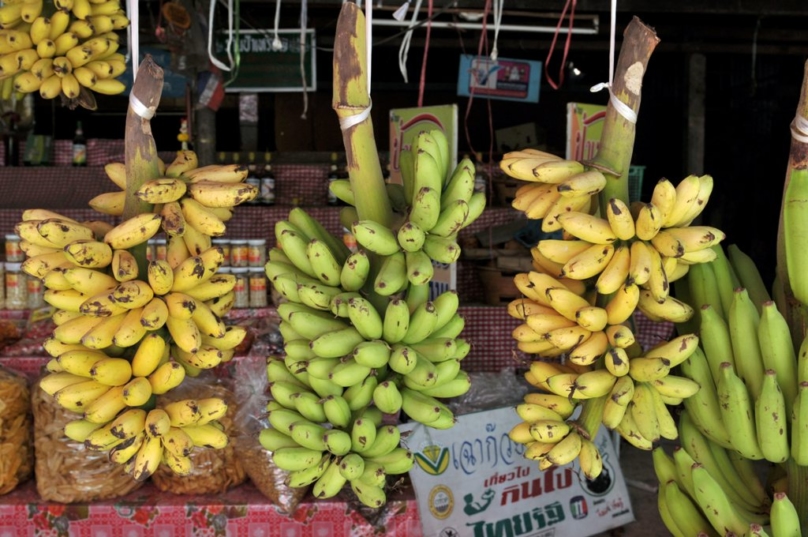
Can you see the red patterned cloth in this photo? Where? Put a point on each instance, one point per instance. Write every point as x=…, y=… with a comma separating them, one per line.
x=240, y=511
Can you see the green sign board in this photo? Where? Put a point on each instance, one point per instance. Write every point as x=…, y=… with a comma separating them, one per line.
x=264, y=68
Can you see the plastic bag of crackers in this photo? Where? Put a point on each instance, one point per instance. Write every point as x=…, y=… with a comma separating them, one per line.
x=214, y=471
x=252, y=396
x=66, y=471
x=16, y=456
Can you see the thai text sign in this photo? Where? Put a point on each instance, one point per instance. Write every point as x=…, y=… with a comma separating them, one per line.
x=472, y=480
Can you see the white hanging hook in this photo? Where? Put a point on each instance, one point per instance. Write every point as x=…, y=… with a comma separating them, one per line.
x=276, y=41
x=229, y=45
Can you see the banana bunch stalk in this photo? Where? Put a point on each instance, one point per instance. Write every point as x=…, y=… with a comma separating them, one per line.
x=124, y=335
x=359, y=346
x=64, y=49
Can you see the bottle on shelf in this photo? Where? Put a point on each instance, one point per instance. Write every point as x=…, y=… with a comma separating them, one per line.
x=268, y=181
x=480, y=177
x=333, y=175
x=222, y=158
x=252, y=177
x=183, y=137
x=79, y=146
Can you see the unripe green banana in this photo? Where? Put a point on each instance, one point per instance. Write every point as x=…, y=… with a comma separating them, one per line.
x=460, y=185
x=737, y=413
x=283, y=418
x=352, y=466
x=360, y=395
x=375, y=237
x=337, y=411
x=455, y=387
x=337, y=442
x=324, y=262
x=309, y=406
x=422, y=323
x=355, y=270
x=411, y=237
x=365, y=318
x=436, y=349
x=309, y=435
x=387, y=397
x=349, y=373
x=403, y=359
x=317, y=296
x=369, y=495
x=771, y=420
x=442, y=249
x=425, y=208
x=398, y=461
x=306, y=476
x=387, y=439
x=396, y=321
x=373, y=354
x=272, y=439
x=392, y=276
x=363, y=434
x=423, y=375
x=373, y=475
x=336, y=343
x=421, y=408
x=330, y=483
x=417, y=295
x=339, y=303
x=476, y=207
x=419, y=267
x=451, y=220
x=312, y=326
x=324, y=387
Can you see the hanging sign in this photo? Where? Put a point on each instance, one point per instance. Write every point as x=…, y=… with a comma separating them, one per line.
x=263, y=68
x=472, y=480
x=503, y=78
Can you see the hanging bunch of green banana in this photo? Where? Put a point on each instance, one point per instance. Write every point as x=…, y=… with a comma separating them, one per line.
x=60, y=49
x=123, y=334
x=749, y=407
x=362, y=338
x=578, y=302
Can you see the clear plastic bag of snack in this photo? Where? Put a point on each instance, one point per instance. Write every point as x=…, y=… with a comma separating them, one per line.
x=66, y=471
x=214, y=470
x=16, y=451
x=251, y=394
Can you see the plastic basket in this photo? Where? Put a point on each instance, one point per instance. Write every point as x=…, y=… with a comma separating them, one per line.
x=635, y=175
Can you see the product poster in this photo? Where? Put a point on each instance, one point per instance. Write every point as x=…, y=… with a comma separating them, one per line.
x=503, y=78
x=472, y=480
x=584, y=127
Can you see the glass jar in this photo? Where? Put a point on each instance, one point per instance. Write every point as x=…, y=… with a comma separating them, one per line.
x=224, y=244
x=35, y=293
x=257, y=252
x=242, y=288
x=13, y=252
x=258, y=288
x=16, y=287
x=2, y=287
x=349, y=240
x=150, y=249
x=160, y=249
x=238, y=253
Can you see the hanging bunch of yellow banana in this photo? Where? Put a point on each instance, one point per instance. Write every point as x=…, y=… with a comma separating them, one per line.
x=60, y=49
x=579, y=300
x=123, y=336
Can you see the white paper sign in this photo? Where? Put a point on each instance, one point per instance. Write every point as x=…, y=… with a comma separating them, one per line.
x=472, y=481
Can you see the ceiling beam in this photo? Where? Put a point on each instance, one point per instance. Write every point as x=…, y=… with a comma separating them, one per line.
x=716, y=7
